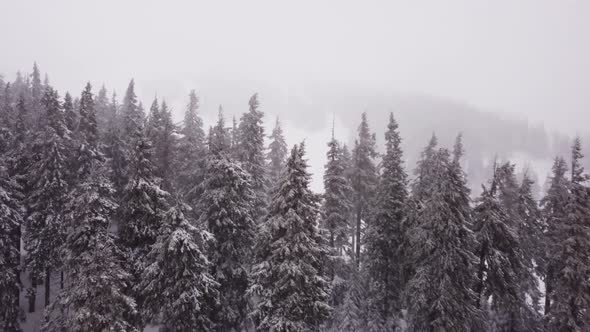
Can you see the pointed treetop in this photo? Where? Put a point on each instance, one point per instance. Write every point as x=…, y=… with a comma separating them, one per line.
x=253, y=103
x=458, y=150
x=577, y=168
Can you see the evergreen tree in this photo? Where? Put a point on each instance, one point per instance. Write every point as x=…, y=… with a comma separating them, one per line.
x=384, y=232
x=336, y=210
x=351, y=316
x=37, y=91
x=154, y=122
x=424, y=169
x=165, y=147
x=95, y=297
x=132, y=116
x=337, y=192
x=10, y=237
x=87, y=133
x=49, y=186
x=219, y=140
x=144, y=204
x=364, y=179
x=251, y=154
x=177, y=283
x=501, y=260
x=570, y=301
x=235, y=139
x=190, y=159
x=554, y=214
x=289, y=280
x=227, y=211
x=115, y=148
x=440, y=297
x=70, y=113
x=102, y=110
x=277, y=153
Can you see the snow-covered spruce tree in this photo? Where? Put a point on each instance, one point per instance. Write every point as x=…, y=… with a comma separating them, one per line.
x=290, y=288
x=102, y=110
x=235, y=139
x=95, y=297
x=10, y=237
x=384, y=232
x=522, y=220
x=132, y=115
x=165, y=148
x=423, y=169
x=501, y=261
x=44, y=231
x=570, y=301
x=87, y=135
x=554, y=214
x=277, y=153
x=69, y=112
x=351, y=315
x=35, y=93
x=226, y=207
x=154, y=121
x=531, y=228
x=144, y=204
x=439, y=293
x=177, y=284
x=190, y=158
x=415, y=202
x=252, y=154
x=336, y=210
x=364, y=179
x=115, y=151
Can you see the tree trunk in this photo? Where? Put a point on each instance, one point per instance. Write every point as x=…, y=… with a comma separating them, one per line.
x=47, y=286
x=61, y=281
x=358, y=237
x=480, y=273
x=548, y=290
x=32, y=294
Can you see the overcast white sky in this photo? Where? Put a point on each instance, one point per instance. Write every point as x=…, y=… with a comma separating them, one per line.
x=527, y=57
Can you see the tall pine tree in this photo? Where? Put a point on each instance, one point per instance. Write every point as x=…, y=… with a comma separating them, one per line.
x=440, y=294
x=226, y=207
x=364, y=179
x=277, y=153
x=251, y=153
x=384, y=231
x=291, y=288
x=177, y=283
x=571, y=292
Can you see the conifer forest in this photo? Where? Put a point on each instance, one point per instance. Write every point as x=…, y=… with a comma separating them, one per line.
x=116, y=218
x=294, y=166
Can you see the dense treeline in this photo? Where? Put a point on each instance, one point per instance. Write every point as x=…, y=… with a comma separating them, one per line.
x=144, y=221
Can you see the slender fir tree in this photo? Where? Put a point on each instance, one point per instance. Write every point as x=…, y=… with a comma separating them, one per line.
x=291, y=290
x=277, y=154
x=251, y=153
x=95, y=298
x=440, y=294
x=501, y=264
x=190, y=160
x=571, y=293
x=10, y=238
x=45, y=202
x=384, y=231
x=227, y=211
x=554, y=214
x=177, y=284
x=364, y=180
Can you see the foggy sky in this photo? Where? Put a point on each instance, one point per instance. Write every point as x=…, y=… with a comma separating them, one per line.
x=527, y=57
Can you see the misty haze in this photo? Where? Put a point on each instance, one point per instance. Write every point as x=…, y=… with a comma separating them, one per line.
x=295, y=166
